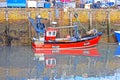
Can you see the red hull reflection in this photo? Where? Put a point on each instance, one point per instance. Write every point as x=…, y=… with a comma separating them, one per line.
x=93, y=51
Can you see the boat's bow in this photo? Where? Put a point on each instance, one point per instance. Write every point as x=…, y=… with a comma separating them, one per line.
x=117, y=34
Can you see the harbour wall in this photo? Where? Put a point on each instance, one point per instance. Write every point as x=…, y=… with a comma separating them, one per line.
x=15, y=29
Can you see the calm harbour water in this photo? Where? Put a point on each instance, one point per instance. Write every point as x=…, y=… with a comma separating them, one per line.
x=20, y=63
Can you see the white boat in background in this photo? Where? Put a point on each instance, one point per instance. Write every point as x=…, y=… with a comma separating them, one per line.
x=117, y=34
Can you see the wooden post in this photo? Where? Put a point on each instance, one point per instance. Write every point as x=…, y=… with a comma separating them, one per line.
x=90, y=20
x=70, y=15
x=6, y=17
x=8, y=40
x=108, y=26
x=70, y=20
x=29, y=28
x=49, y=14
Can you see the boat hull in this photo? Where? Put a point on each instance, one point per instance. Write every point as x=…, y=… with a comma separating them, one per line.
x=117, y=34
x=85, y=43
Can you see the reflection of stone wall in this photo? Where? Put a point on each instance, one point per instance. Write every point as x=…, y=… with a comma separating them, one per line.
x=19, y=25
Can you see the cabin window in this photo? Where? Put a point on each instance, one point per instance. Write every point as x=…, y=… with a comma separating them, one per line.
x=54, y=33
x=49, y=33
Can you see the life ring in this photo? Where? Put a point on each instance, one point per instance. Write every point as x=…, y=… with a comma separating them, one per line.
x=76, y=15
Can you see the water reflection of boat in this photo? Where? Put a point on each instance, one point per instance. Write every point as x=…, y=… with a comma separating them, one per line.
x=117, y=34
x=93, y=51
x=58, y=59
x=117, y=51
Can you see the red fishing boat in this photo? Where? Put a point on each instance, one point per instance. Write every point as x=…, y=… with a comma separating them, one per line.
x=48, y=40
